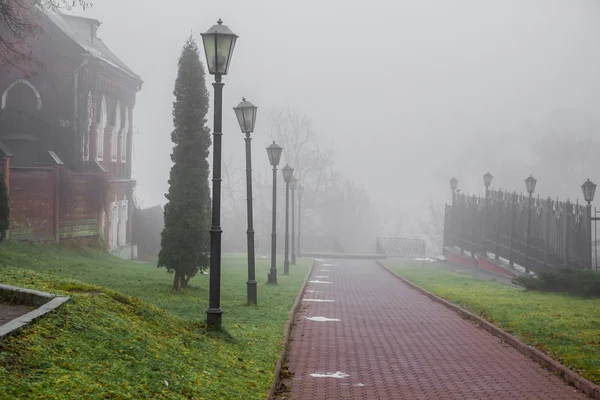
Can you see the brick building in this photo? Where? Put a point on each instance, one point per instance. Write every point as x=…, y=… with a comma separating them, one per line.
x=66, y=138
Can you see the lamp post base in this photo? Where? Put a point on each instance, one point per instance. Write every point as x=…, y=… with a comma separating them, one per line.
x=286, y=268
x=272, y=276
x=213, y=317
x=251, y=290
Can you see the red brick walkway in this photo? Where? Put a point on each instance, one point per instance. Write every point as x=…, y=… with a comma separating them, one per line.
x=397, y=344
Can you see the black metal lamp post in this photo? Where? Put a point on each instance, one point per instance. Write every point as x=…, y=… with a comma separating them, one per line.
x=589, y=190
x=300, y=194
x=246, y=116
x=293, y=185
x=487, y=181
x=288, y=173
x=453, y=187
x=219, y=42
x=530, y=184
x=274, y=152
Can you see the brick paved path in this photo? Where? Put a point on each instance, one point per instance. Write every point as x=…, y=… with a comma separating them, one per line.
x=401, y=345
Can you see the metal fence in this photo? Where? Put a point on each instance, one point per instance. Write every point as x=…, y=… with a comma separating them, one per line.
x=538, y=234
x=401, y=247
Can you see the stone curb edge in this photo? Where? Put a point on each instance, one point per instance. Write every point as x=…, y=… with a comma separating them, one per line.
x=554, y=366
x=286, y=335
x=14, y=326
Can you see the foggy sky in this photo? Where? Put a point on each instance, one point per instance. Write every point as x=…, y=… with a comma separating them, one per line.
x=396, y=87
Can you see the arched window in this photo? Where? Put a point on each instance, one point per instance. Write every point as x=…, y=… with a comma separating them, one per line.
x=125, y=136
x=85, y=145
x=123, y=217
x=113, y=225
x=100, y=131
x=24, y=82
x=114, y=139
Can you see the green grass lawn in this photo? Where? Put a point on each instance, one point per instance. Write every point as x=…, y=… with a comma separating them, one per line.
x=138, y=339
x=565, y=327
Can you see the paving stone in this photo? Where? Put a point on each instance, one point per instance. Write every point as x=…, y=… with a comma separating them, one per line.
x=396, y=343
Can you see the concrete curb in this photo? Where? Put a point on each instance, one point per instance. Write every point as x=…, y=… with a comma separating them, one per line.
x=286, y=336
x=45, y=303
x=557, y=368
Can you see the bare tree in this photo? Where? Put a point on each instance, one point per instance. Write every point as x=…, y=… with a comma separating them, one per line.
x=19, y=27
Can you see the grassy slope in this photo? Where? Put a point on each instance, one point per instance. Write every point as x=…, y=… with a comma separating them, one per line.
x=116, y=346
x=564, y=327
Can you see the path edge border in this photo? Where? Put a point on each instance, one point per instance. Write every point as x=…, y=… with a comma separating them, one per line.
x=287, y=334
x=554, y=366
x=43, y=302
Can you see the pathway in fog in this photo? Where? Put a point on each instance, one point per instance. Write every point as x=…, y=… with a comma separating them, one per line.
x=379, y=339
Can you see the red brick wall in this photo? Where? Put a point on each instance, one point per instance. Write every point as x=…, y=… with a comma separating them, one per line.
x=50, y=204
x=32, y=204
x=81, y=200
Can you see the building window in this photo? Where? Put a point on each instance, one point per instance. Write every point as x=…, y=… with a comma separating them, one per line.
x=25, y=82
x=123, y=217
x=113, y=225
x=124, y=137
x=85, y=145
x=114, y=139
x=100, y=131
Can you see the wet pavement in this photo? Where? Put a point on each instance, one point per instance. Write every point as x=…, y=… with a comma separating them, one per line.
x=375, y=338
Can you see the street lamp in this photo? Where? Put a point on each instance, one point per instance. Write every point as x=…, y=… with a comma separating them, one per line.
x=300, y=194
x=487, y=181
x=246, y=116
x=589, y=190
x=530, y=184
x=288, y=173
x=453, y=187
x=293, y=186
x=274, y=152
x=219, y=42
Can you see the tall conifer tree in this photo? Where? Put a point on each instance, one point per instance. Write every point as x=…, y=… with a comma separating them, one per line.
x=185, y=237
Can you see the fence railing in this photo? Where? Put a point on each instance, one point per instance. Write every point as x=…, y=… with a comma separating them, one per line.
x=401, y=247
x=538, y=234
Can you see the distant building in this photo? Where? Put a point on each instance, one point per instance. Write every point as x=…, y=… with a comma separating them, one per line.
x=66, y=137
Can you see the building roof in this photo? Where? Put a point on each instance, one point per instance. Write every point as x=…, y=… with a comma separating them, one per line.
x=83, y=32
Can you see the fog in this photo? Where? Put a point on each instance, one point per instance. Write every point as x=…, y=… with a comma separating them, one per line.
x=407, y=93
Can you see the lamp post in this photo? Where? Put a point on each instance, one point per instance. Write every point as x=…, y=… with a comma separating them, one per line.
x=589, y=190
x=487, y=181
x=300, y=194
x=454, y=216
x=293, y=185
x=274, y=152
x=530, y=184
x=288, y=173
x=453, y=187
x=246, y=116
x=219, y=42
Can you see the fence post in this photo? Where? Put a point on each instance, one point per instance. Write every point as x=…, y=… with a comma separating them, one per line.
x=513, y=220
x=499, y=205
x=566, y=229
x=461, y=223
x=474, y=223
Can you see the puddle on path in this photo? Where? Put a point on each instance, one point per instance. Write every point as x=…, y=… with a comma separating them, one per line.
x=321, y=276
x=317, y=281
x=338, y=375
x=322, y=319
x=320, y=260
x=330, y=265
x=324, y=270
x=313, y=291
x=319, y=300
